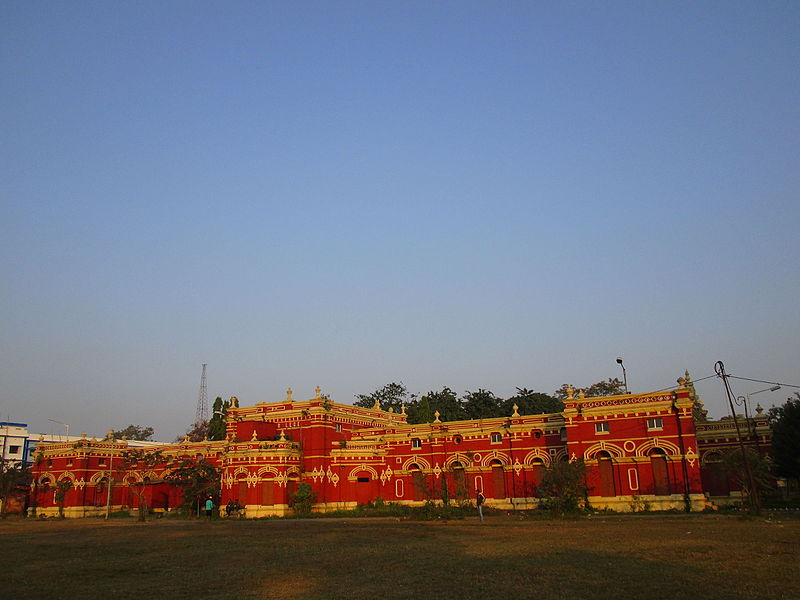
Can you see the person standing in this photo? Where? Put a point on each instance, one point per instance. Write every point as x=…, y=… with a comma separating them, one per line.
x=209, y=507
x=479, y=500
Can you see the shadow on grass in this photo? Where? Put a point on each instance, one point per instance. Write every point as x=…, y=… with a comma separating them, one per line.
x=357, y=559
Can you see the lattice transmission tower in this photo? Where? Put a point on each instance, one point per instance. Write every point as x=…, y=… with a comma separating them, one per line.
x=202, y=399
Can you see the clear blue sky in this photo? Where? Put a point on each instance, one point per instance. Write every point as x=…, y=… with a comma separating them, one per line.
x=490, y=194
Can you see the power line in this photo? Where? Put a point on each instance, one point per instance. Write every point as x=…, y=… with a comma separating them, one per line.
x=762, y=381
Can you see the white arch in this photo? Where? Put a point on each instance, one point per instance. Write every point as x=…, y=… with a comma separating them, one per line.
x=366, y=468
x=614, y=450
x=97, y=477
x=712, y=451
x=495, y=455
x=418, y=460
x=667, y=447
x=458, y=457
x=537, y=453
x=240, y=471
x=561, y=455
x=264, y=472
x=69, y=476
x=48, y=478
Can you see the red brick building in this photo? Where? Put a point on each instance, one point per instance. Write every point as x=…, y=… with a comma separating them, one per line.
x=640, y=450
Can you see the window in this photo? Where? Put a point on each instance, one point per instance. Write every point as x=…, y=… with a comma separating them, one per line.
x=602, y=427
x=338, y=428
x=13, y=449
x=102, y=461
x=563, y=434
x=655, y=423
x=457, y=439
x=416, y=443
x=496, y=438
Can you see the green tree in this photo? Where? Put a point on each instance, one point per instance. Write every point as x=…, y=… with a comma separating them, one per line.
x=134, y=432
x=196, y=432
x=216, y=425
x=563, y=487
x=140, y=459
x=197, y=478
x=612, y=387
x=785, y=423
x=303, y=500
x=760, y=467
x=531, y=403
x=62, y=487
x=392, y=395
x=14, y=478
x=482, y=404
x=445, y=401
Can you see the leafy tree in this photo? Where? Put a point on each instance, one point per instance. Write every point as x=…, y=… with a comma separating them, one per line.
x=531, y=403
x=216, y=426
x=135, y=432
x=141, y=459
x=196, y=432
x=445, y=401
x=303, y=500
x=760, y=467
x=198, y=479
x=785, y=422
x=482, y=404
x=392, y=395
x=62, y=487
x=14, y=478
x=420, y=411
x=612, y=387
x=563, y=487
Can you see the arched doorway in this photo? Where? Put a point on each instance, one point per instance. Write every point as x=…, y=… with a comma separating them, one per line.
x=417, y=482
x=241, y=489
x=364, y=488
x=459, y=481
x=498, y=479
x=658, y=460
x=605, y=467
x=538, y=472
x=715, y=480
x=267, y=492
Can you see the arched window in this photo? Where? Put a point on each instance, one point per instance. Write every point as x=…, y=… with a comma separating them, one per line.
x=241, y=489
x=417, y=482
x=715, y=480
x=538, y=471
x=658, y=460
x=268, y=491
x=498, y=479
x=459, y=481
x=605, y=468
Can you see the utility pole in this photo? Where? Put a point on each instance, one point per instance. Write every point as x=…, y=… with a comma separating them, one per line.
x=755, y=499
x=202, y=399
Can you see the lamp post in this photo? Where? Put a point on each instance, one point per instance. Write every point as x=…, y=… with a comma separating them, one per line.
x=624, y=374
x=66, y=426
x=745, y=401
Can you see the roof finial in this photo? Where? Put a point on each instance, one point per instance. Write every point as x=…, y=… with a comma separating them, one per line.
x=289, y=395
x=436, y=414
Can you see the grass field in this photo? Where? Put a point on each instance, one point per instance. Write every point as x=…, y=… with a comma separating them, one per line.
x=671, y=556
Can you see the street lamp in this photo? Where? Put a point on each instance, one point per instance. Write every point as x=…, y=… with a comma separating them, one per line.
x=624, y=374
x=66, y=426
x=745, y=401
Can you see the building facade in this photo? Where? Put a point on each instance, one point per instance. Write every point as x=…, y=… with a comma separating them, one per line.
x=641, y=450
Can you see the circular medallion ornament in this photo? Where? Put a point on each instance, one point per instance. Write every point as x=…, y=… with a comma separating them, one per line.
x=629, y=446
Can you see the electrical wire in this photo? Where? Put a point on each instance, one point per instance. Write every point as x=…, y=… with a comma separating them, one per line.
x=762, y=381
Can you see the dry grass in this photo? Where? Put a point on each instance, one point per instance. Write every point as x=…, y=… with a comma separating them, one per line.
x=683, y=556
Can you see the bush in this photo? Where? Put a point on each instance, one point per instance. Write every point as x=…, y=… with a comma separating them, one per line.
x=303, y=500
